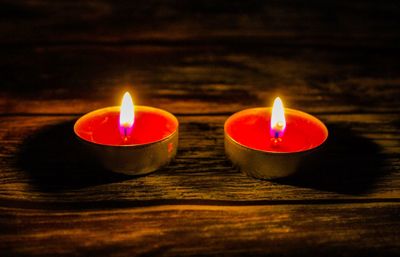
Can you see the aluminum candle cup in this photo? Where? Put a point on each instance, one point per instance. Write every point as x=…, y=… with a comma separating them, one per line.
x=151, y=144
x=248, y=142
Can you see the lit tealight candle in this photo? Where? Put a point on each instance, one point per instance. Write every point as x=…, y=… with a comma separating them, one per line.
x=129, y=139
x=271, y=142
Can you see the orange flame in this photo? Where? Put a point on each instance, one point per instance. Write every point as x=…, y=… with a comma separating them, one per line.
x=126, y=115
x=278, y=121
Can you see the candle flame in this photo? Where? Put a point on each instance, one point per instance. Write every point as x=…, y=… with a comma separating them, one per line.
x=126, y=115
x=278, y=121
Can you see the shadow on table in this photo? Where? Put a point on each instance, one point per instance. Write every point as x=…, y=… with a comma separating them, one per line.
x=54, y=160
x=348, y=164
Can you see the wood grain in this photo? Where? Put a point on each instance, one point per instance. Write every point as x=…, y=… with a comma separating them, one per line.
x=202, y=80
x=170, y=22
x=187, y=230
x=41, y=163
x=203, y=61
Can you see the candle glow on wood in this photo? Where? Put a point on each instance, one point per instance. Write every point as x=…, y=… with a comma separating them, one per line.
x=126, y=116
x=278, y=121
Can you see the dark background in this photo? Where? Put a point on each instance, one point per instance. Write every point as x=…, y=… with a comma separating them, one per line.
x=202, y=61
x=346, y=51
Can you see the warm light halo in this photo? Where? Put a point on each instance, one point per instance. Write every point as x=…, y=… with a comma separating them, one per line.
x=278, y=121
x=127, y=112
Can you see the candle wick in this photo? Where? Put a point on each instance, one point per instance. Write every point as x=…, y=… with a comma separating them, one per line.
x=125, y=134
x=276, y=139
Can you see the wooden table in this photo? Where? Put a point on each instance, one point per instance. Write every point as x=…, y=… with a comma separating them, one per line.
x=201, y=60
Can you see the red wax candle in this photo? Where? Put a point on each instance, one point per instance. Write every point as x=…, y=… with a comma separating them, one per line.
x=102, y=126
x=130, y=139
x=251, y=128
x=270, y=142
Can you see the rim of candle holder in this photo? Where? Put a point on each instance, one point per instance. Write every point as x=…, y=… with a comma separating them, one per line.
x=137, y=146
x=275, y=153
